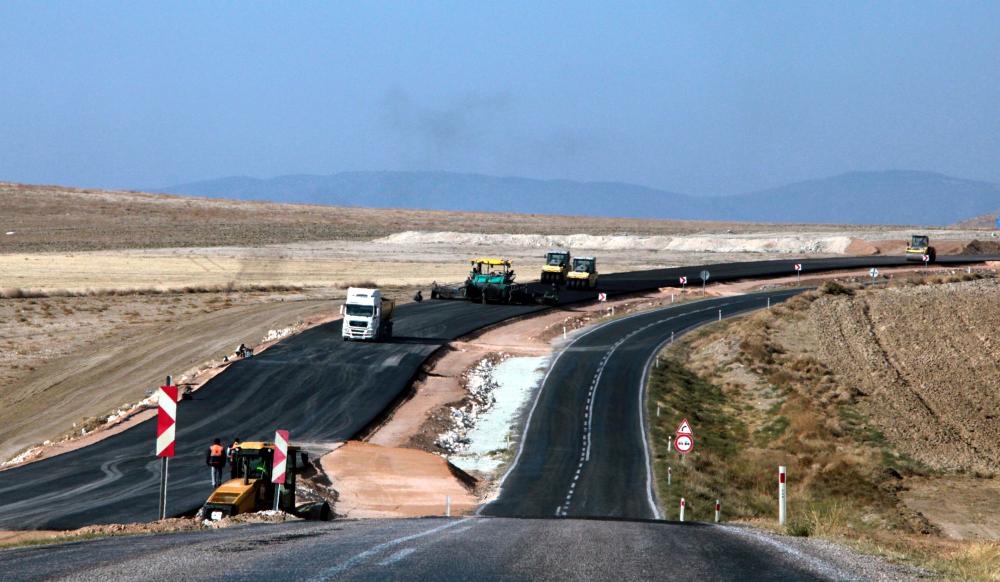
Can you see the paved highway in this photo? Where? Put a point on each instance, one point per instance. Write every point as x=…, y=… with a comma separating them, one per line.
x=320, y=388
x=442, y=549
x=584, y=453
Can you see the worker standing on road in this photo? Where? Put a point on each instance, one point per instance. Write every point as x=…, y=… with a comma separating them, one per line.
x=418, y=297
x=216, y=459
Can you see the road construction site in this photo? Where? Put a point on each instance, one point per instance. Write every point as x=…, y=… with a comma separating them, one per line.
x=574, y=439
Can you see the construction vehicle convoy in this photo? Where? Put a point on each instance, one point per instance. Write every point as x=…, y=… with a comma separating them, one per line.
x=919, y=246
x=367, y=315
x=556, y=267
x=491, y=280
x=250, y=489
x=583, y=275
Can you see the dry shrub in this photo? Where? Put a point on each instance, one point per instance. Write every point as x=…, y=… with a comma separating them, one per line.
x=363, y=284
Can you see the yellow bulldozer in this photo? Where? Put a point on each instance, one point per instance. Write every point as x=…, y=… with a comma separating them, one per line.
x=556, y=267
x=583, y=275
x=920, y=245
x=250, y=489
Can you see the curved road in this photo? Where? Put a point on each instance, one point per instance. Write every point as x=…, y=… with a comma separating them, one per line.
x=583, y=453
x=319, y=387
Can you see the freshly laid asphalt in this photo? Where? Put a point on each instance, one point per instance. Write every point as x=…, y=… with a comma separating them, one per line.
x=434, y=549
x=583, y=453
x=313, y=384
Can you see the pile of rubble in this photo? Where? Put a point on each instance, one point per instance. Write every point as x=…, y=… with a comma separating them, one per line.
x=480, y=385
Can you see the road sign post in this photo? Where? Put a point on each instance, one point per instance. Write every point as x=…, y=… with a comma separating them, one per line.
x=798, y=272
x=927, y=260
x=873, y=273
x=684, y=282
x=602, y=297
x=704, y=280
x=279, y=464
x=781, y=495
x=166, y=429
x=684, y=440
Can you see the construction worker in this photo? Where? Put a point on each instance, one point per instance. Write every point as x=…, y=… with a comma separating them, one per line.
x=231, y=457
x=216, y=460
x=418, y=297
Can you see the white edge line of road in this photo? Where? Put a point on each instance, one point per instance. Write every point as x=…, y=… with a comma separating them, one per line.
x=360, y=557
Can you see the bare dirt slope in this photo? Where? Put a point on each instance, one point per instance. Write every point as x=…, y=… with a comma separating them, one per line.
x=926, y=362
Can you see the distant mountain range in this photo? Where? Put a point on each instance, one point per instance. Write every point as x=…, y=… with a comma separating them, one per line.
x=890, y=197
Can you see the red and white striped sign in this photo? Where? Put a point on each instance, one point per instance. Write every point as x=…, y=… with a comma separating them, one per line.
x=280, y=456
x=684, y=280
x=166, y=421
x=798, y=266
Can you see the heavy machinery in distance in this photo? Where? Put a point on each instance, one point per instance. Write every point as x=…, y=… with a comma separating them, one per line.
x=920, y=245
x=583, y=275
x=250, y=488
x=492, y=280
x=367, y=315
x=556, y=267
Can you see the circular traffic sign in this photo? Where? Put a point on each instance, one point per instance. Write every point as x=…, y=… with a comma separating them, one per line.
x=684, y=443
x=705, y=275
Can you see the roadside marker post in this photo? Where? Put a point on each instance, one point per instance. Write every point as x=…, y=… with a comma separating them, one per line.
x=447, y=505
x=280, y=463
x=166, y=431
x=670, y=444
x=682, y=509
x=769, y=302
x=718, y=510
x=781, y=495
x=720, y=315
x=798, y=272
x=668, y=475
x=927, y=260
x=684, y=282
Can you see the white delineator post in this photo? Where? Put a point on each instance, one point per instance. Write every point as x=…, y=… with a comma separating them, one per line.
x=720, y=315
x=718, y=510
x=447, y=505
x=682, y=509
x=670, y=443
x=781, y=495
x=166, y=430
x=668, y=475
x=280, y=464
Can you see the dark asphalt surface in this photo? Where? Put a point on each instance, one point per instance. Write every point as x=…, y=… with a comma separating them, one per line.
x=431, y=549
x=583, y=453
x=313, y=384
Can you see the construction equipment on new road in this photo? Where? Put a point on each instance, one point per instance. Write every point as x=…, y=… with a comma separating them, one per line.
x=583, y=275
x=367, y=315
x=250, y=489
x=920, y=245
x=556, y=267
x=491, y=280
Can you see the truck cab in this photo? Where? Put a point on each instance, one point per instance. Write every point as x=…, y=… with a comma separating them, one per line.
x=367, y=315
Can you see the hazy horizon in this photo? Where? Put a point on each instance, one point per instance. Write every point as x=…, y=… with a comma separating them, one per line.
x=698, y=99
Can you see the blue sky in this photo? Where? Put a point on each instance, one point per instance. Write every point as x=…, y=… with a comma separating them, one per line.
x=695, y=97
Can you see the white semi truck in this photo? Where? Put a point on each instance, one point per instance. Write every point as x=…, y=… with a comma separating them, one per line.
x=367, y=315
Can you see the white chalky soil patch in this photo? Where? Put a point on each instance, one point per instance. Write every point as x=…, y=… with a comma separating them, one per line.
x=516, y=380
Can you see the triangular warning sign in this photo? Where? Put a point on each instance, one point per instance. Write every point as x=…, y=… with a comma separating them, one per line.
x=684, y=428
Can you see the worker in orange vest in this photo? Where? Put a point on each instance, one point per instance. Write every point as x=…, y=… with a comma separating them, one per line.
x=216, y=460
